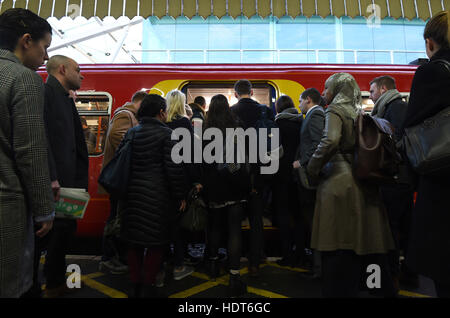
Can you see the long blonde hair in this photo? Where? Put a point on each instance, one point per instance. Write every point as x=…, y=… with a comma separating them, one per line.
x=175, y=104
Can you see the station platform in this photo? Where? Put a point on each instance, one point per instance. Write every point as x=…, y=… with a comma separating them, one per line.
x=274, y=281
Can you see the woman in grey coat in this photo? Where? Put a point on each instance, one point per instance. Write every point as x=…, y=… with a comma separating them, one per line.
x=25, y=192
x=349, y=219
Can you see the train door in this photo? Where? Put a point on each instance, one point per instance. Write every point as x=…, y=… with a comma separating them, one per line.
x=94, y=109
x=263, y=92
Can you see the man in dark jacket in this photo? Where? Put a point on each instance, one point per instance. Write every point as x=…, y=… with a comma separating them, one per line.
x=398, y=198
x=249, y=111
x=310, y=135
x=68, y=160
x=284, y=189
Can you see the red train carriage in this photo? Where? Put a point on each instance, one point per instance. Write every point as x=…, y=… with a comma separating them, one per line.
x=107, y=87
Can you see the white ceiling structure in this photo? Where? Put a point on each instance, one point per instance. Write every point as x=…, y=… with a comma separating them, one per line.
x=96, y=40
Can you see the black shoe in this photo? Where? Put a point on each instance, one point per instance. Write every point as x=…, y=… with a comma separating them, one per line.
x=285, y=261
x=236, y=286
x=310, y=276
x=137, y=293
x=150, y=291
x=409, y=280
x=253, y=271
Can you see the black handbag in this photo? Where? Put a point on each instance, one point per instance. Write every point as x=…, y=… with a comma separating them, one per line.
x=195, y=218
x=427, y=145
x=116, y=174
x=303, y=178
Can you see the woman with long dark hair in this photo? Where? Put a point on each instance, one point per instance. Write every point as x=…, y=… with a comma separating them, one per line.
x=225, y=191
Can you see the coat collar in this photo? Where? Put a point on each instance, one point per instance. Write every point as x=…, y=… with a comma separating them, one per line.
x=54, y=83
x=152, y=121
x=8, y=55
x=442, y=54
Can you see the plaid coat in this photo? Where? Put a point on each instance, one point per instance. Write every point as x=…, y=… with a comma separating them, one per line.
x=25, y=191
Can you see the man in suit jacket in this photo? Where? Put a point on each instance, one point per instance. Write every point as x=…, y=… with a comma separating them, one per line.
x=310, y=135
x=25, y=193
x=68, y=160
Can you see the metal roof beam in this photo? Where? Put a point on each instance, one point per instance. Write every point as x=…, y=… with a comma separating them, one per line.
x=102, y=31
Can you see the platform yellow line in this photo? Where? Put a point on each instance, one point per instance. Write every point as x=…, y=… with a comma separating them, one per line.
x=195, y=290
x=264, y=293
x=223, y=280
x=294, y=269
x=412, y=294
x=108, y=291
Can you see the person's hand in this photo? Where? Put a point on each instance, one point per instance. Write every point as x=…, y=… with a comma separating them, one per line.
x=45, y=228
x=56, y=190
x=296, y=164
x=182, y=206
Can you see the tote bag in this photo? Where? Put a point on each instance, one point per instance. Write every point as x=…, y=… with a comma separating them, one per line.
x=116, y=174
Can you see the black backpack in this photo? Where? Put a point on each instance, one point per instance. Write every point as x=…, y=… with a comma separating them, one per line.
x=264, y=122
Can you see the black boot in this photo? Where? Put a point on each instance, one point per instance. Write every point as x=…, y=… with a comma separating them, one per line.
x=236, y=286
x=214, y=269
x=137, y=290
x=149, y=291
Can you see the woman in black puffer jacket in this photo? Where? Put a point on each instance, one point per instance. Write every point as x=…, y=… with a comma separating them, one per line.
x=155, y=183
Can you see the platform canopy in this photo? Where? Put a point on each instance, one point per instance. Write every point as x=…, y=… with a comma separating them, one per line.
x=410, y=9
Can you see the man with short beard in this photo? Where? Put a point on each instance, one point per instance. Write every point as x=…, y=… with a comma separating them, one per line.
x=68, y=160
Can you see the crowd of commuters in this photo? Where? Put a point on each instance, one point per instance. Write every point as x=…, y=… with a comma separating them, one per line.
x=344, y=224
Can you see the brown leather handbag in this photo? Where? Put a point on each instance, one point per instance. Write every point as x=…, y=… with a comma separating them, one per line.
x=376, y=159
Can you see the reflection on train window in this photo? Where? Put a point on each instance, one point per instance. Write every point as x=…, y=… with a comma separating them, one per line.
x=94, y=109
x=94, y=129
x=263, y=93
x=98, y=102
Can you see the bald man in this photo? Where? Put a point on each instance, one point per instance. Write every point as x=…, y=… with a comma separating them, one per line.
x=68, y=161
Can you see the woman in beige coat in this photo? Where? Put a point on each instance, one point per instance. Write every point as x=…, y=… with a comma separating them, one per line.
x=349, y=219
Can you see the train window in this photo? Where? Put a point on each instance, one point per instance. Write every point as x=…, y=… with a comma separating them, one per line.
x=264, y=93
x=367, y=103
x=94, y=109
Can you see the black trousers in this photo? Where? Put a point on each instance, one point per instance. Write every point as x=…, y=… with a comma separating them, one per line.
x=442, y=290
x=57, y=245
x=255, y=208
x=291, y=225
x=231, y=216
x=179, y=238
x=398, y=200
x=113, y=246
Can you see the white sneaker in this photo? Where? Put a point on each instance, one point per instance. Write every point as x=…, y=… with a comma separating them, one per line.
x=184, y=272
